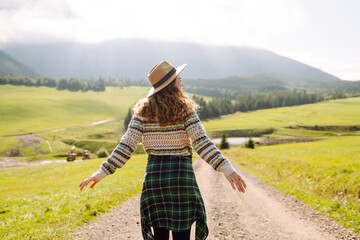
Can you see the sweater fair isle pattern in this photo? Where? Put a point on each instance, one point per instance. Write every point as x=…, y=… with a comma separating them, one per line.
x=175, y=139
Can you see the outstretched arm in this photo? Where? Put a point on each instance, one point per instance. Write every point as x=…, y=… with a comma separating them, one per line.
x=209, y=152
x=121, y=154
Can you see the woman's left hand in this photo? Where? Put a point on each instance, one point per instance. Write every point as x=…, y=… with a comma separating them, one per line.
x=85, y=182
x=236, y=180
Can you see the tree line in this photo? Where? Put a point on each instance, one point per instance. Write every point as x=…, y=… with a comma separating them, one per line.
x=71, y=84
x=251, y=102
x=235, y=86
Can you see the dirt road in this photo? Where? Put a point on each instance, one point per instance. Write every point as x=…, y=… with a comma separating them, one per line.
x=261, y=213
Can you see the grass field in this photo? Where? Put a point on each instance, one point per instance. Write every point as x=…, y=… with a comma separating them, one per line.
x=25, y=110
x=324, y=174
x=44, y=202
x=7, y=144
x=85, y=137
x=334, y=112
x=31, y=109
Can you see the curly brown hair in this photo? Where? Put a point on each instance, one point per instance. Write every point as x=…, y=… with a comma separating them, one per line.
x=168, y=106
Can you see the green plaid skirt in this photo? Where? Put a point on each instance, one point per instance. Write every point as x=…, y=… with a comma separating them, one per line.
x=170, y=197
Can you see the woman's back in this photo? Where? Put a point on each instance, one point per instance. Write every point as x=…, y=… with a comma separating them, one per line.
x=167, y=125
x=172, y=139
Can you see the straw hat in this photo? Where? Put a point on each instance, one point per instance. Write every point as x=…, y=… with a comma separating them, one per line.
x=161, y=75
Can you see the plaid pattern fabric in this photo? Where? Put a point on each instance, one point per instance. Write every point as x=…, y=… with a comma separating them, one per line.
x=170, y=197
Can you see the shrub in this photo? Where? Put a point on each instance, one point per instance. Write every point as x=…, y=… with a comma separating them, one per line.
x=128, y=118
x=69, y=141
x=250, y=144
x=224, y=144
x=102, y=152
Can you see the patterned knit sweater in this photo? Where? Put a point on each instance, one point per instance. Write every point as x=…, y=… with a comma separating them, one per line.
x=174, y=139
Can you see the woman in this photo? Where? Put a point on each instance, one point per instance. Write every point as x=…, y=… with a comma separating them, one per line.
x=167, y=124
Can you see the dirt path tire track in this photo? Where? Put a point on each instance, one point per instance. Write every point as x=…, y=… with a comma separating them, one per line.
x=261, y=213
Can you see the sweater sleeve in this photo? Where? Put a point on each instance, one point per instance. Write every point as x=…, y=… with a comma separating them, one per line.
x=205, y=147
x=123, y=151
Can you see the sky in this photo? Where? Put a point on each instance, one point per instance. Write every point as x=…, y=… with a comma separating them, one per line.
x=322, y=33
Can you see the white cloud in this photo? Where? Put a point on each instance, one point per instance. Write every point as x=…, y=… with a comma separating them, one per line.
x=213, y=22
x=34, y=21
x=38, y=8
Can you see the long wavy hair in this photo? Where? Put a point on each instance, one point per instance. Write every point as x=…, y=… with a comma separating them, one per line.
x=166, y=107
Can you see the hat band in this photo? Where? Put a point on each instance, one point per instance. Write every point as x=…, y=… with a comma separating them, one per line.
x=165, y=78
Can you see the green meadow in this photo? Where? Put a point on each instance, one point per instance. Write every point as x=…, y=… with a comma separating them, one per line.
x=323, y=174
x=38, y=110
x=335, y=112
x=44, y=201
x=26, y=110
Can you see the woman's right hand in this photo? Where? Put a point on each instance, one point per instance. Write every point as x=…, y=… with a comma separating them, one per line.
x=86, y=181
x=236, y=180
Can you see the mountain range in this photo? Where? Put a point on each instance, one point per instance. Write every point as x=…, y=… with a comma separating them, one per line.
x=9, y=65
x=133, y=58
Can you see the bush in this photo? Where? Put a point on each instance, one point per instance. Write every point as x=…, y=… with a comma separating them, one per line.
x=69, y=141
x=102, y=152
x=250, y=144
x=60, y=155
x=224, y=144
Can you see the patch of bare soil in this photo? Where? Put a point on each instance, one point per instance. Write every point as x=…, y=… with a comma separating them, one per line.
x=273, y=141
x=26, y=141
x=261, y=213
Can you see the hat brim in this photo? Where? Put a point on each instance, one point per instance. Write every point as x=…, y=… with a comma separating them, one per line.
x=178, y=71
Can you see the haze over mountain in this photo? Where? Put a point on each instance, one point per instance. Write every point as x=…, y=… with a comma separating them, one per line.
x=133, y=58
x=8, y=65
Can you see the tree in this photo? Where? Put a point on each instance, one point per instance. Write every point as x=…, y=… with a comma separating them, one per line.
x=128, y=118
x=204, y=113
x=224, y=144
x=39, y=82
x=102, y=153
x=4, y=79
x=62, y=84
x=250, y=144
x=74, y=84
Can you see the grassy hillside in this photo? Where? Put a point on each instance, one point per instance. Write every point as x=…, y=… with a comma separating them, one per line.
x=334, y=112
x=30, y=109
x=25, y=110
x=324, y=174
x=44, y=201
